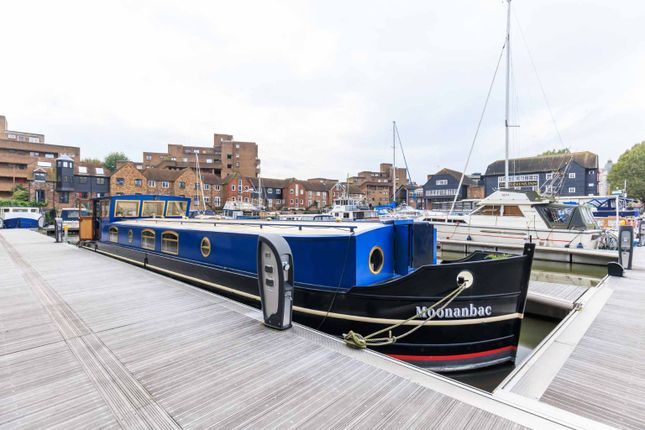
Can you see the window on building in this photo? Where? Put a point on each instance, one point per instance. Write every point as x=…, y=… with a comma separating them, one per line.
x=82, y=179
x=148, y=239
x=182, y=185
x=278, y=191
x=572, y=190
x=233, y=187
x=237, y=155
x=49, y=155
x=196, y=200
x=237, y=164
x=120, y=181
x=185, y=160
x=572, y=175
x=441, y=182
x=148, y=157
x=209, y=160
x=237, y=146
x=217, y=201
x=291, y=191
x=34, y=154
x=229, y=156
x=270, y=191
x=152, y=183
x=197, y=185
x=246, y=199
x=324, y=194
x=217, y=187
x=301, y=202
x=63, y=197
x=34, y=140
x=246, y=188
x=165, y=184
x=207, y=199
x=40, y=196
x=229, y=166
x=100, y=181
x=239, y=185
x=549, y=176
x=40, y=176
x=99, y=171
x=82, y=169
x=138, y=182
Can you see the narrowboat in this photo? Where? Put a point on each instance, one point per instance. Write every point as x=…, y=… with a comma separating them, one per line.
x=21, y=217
x=359, y=277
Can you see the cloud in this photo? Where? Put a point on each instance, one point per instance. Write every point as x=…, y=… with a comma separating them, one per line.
x=318, y=85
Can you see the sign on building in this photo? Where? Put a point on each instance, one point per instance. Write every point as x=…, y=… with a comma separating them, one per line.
x=520, y=182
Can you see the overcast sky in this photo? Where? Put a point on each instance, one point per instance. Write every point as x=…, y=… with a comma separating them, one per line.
x=318, y=84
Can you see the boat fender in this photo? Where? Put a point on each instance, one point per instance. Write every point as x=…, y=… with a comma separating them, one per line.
x=579, y=245
x=145, y=262
x=469, y=238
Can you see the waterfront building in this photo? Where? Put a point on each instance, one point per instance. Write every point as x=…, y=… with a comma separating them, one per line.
x=52, y=174
x=377, y=185
x=440, y=189
x=579, y=170
x=312, y=195
x=269, y=191
x=225, y=157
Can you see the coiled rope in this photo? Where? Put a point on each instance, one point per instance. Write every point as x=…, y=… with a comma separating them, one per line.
x=356, y=340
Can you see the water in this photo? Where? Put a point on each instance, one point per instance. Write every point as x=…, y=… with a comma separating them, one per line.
x=534, y=329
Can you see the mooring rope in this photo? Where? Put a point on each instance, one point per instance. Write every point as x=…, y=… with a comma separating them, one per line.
x=356, y=340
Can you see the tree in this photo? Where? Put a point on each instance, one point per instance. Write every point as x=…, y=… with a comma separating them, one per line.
x=630, y=167
x=557, y=151
x=20, y=194
x=92, y=161
x=112, y=158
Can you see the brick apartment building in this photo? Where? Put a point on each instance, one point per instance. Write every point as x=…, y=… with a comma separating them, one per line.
x=377, y=185
x=25, y=159
x=225, y=157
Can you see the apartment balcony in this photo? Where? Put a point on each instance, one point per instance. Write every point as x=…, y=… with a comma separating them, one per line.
x=10, y=172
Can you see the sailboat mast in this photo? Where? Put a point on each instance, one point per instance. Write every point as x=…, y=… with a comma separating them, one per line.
x=394, y=162
x=508, y=86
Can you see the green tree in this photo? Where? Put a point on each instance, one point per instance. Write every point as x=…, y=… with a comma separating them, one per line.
x=112, y=158
x=557, y=151
x=630, y=167
x=92, y=161
x=20, y=194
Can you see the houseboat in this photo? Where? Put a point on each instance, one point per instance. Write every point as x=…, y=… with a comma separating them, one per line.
x=348, y=209
x=359, y=277
x=517, y=217
x=21, y=217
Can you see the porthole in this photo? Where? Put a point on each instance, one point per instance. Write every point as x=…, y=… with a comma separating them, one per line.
x=130, y=236
x=114, y=234
x=376, y=260
x=205, y=247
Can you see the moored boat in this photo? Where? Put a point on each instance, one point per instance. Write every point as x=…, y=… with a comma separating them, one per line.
x=21, y=217
x=359, y=277
x=516, y=217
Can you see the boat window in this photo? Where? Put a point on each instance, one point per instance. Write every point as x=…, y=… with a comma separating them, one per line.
x=376, y=260
x=512, y=211
x=130, y=236
x=489, y=210
x=557, y=216
x=170, y=242
x=34, y=210
x=114, y=234
x=176, y=208
x=105, y=209
x=205, y=247
x=152, y=209
x=20, y=210
x=126, y=208
x=148, y=239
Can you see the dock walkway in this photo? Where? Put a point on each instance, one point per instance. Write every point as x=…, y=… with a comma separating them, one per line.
x=91, y=342
x=593, y=364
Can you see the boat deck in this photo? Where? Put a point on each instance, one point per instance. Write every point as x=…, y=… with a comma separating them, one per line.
x=91, y=342
x=593, y=365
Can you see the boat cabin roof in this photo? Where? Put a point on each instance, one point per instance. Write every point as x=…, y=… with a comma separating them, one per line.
x=283, y=228
x=6, y=209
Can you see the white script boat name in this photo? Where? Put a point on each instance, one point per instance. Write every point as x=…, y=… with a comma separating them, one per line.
x=470, y=311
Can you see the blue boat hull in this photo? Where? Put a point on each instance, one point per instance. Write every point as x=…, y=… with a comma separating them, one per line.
x=20, y=223
x=483, y=329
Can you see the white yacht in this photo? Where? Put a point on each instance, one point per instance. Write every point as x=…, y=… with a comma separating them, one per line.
x=21, y=217
x=347, y=209
x=516, y=217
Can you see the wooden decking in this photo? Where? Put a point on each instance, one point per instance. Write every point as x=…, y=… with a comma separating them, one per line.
x=594, y=364
x=90, y=342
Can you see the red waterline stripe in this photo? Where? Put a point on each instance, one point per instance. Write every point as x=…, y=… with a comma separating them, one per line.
x=451, y=357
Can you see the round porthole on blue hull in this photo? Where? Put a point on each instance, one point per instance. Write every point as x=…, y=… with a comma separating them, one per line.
x=376, y=260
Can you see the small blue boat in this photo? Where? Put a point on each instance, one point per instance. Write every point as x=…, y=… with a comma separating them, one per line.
x=360, y=276
x=21, y=217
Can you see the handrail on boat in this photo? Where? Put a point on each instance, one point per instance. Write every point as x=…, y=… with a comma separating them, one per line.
x=351, y=228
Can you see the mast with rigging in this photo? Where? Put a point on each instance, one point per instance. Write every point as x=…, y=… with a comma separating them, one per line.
x=508, y=85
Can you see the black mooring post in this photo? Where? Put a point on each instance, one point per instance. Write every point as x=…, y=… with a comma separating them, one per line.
x=275, y=280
